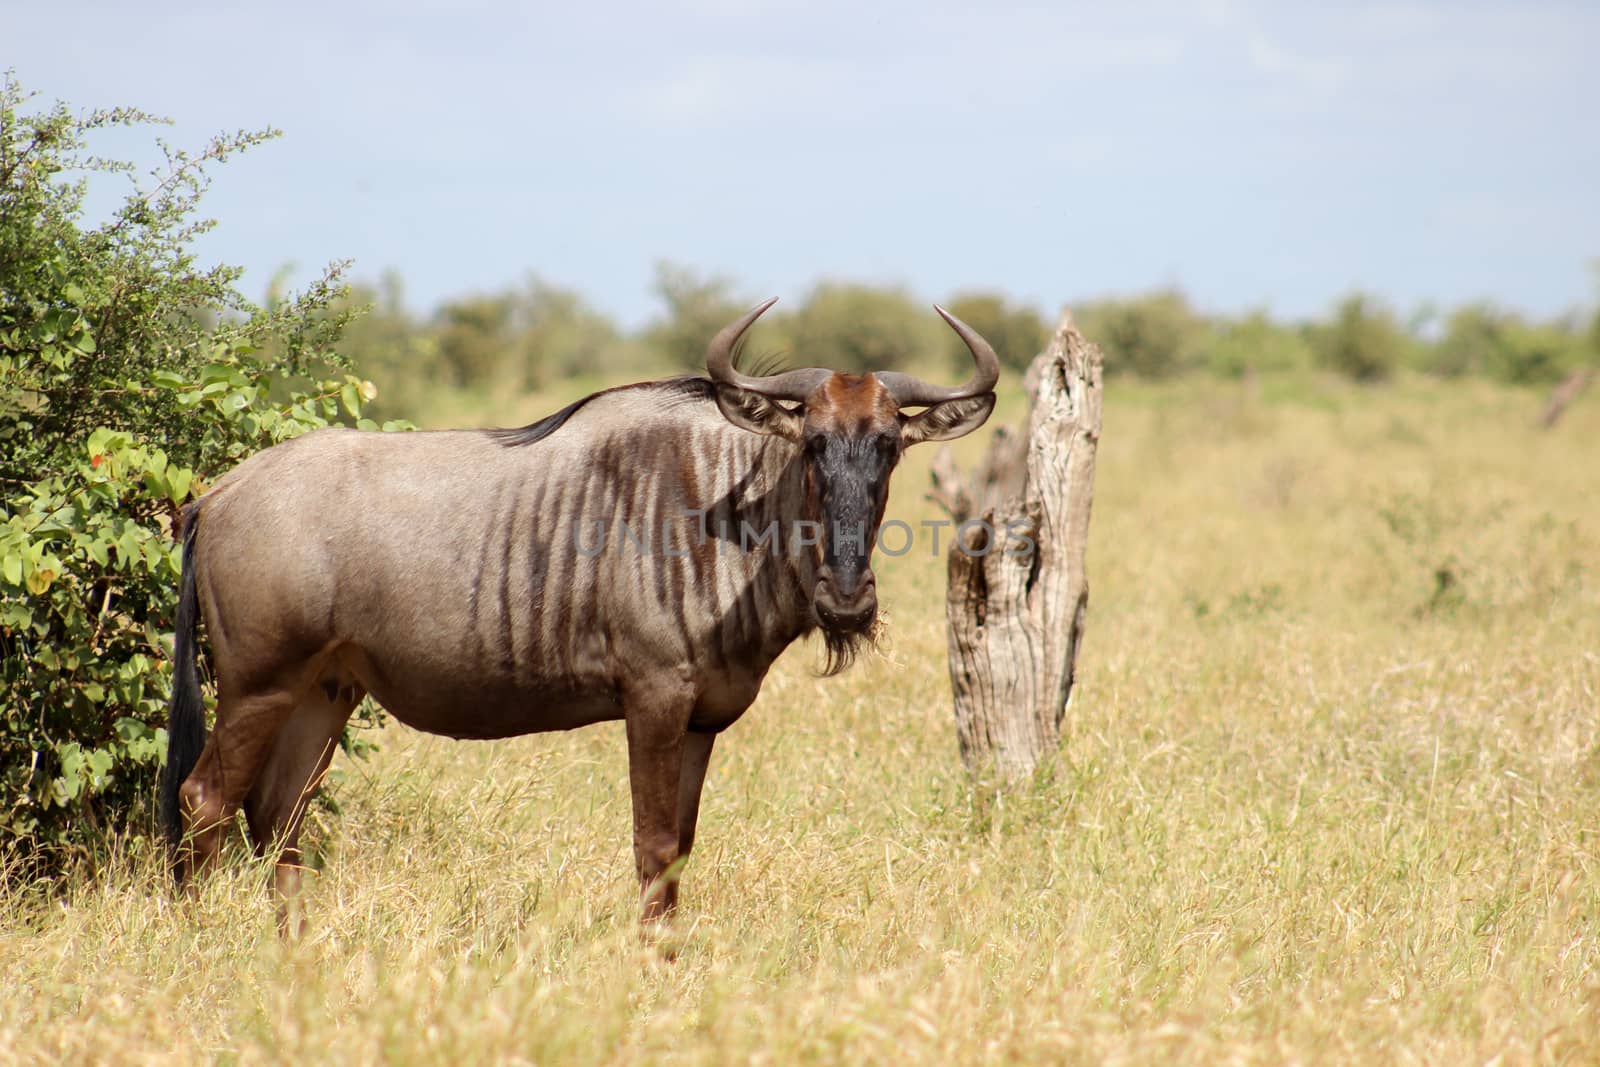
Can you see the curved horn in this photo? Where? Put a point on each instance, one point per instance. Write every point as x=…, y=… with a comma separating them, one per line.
x=909, y=391
x=790, y=385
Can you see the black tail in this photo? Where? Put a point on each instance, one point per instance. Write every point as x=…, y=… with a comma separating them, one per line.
x=186, y=720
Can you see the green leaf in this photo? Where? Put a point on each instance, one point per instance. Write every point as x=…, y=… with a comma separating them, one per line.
x=131, y=729
x=99, y=767
x=221, y=373
x=178, y=481
x=70, y=754
x=100, y=440
x=39, y=579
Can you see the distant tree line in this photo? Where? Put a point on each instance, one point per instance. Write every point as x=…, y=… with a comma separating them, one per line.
x=528, y=336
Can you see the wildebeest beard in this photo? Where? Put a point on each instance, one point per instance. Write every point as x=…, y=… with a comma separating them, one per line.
x=842, y=646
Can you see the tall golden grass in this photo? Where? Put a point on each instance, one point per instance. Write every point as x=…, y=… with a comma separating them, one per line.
x=1330, y=791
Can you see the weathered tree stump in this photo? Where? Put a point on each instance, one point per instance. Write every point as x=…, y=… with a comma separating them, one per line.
x=1564, y=394
x=1018, y=588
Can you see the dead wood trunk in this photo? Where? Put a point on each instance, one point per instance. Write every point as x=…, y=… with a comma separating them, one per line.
x=1018, y=588
x=1565, y=394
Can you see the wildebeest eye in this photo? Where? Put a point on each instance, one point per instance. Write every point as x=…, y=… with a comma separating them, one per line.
x=816, y=443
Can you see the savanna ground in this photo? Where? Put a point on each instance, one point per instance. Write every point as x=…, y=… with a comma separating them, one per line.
x=1328, y=792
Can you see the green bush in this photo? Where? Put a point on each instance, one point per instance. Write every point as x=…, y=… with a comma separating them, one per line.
x=515, y=339
x=1539, y=353
x=561, y=336
x=854, y=327
x=1473, y=337
x=387, y=342
x=1480, y=339
x=474, y=336
x=1153, y=336
x=1256, y=344
x=1016, y=331
x=129, y=376
x=1364, y=341
x=696, y=308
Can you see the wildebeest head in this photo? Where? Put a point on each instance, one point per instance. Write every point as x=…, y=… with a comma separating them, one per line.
x=852, y=429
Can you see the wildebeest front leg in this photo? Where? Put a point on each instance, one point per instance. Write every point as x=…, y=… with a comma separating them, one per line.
x=691, y=779
x=657, y=719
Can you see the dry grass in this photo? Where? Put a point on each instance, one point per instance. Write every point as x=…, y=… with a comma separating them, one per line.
x=1317, y=803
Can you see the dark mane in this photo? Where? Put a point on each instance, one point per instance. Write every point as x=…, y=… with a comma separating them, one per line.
x=686, y=388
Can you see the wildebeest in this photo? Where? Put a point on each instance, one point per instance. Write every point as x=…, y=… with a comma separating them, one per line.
x=639, y=555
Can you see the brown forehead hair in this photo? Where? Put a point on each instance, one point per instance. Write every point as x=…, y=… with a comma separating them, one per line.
x=851, y=404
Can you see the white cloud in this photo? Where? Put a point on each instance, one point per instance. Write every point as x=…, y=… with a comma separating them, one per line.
x=1083, y=153
x=1321, y=75
x=940, y=65
x=711, y=91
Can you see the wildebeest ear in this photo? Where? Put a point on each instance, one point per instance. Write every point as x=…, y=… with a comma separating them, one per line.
x=756, y=413
x=947, y=421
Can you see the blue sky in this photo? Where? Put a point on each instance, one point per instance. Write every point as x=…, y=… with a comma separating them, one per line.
x=1256, y=155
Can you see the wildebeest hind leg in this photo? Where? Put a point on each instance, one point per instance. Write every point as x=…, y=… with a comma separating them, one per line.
x=276, y=806
x=247, y=726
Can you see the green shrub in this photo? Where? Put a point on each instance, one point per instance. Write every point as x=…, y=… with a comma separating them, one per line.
x=561, y=336
x=474, y=337
x=1256, y=344
x=1538, y=353
x=1473, y=336
x=1153, y=336
x=129, y=376
x=517, y=339
x=1480, y=339
x=1017, y=331
x=696, y=308
x=387, y=342
x=853, y=327
x=1363, y=342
